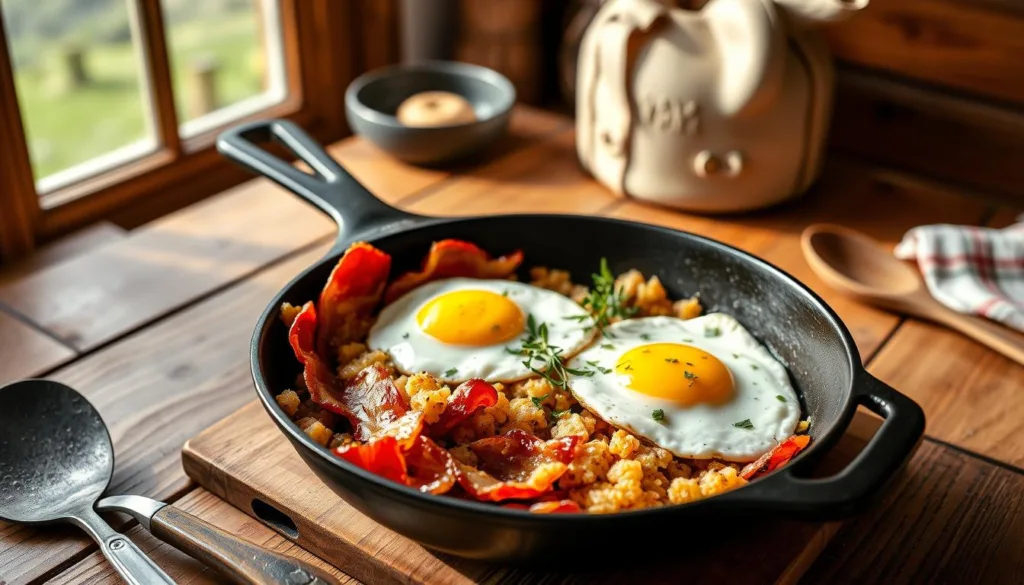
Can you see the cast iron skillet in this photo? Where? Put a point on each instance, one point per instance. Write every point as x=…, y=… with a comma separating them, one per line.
x=798, y=327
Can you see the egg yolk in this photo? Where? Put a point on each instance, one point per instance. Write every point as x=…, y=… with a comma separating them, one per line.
x=471, y=317
x=672, y=371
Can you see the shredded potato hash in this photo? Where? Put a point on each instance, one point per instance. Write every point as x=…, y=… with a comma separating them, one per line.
x=526, y=445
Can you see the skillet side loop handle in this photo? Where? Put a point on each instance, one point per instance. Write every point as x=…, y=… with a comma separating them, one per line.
x=240, y=560
x=852, y=489
x=331, y=188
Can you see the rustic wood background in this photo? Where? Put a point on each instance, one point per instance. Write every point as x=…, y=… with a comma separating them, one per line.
x=935, y=87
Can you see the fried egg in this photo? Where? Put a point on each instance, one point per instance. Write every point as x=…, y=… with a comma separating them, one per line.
x=700, y=388
x=461, y=328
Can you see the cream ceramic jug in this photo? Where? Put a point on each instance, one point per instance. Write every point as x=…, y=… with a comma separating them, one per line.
x=720, y=109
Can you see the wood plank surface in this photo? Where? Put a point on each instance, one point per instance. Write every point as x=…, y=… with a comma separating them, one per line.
x=542, y=179
x=25, y=351
x=75, y=244
x=245, y=457
x=951, y=518
x=99, y=296
x=849, y=193
x=155, y=389
x=972, y=396
x=94, y=569
x=398, y=183
x=972, y=45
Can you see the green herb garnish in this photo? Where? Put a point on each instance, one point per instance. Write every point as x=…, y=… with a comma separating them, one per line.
x=555, y=414
x=753, y=366
x=658, y=415
x=672, y=360
x=451, y=372
x=548, y=357
x=690, y=376
x=780, y=397
x=645, y=337
x=405, y=335
x=744, y=424
x=712, y=332
x=538, y=401
x=597, y=366
x=607, y=346
x=604, y=302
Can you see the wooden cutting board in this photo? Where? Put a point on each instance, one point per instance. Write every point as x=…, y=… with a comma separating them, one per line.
x=245, y=460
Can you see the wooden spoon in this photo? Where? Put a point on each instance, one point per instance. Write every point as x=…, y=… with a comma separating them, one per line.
x=857, y=265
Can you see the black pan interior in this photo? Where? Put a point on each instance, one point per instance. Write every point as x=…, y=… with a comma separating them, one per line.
x=798, y=328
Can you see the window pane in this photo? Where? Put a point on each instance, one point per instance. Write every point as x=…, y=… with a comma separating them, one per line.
x=77, y=71
x=226, y=59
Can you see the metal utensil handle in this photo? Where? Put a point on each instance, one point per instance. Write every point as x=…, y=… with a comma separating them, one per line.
x=238, y=559
x=131, y=563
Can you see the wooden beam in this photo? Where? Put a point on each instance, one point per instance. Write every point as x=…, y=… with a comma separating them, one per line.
x=19, y=204
x=927, y=130
x=150, y=19
x=971, y=45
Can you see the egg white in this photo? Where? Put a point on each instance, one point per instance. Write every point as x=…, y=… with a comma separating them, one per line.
x=701, y=431
x=397, y=332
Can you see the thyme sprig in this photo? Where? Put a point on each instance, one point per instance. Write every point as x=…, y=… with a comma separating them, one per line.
x=543, y=358
x=604, y=301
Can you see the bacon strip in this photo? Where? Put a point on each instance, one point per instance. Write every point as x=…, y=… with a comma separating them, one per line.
x=377, y=408
x=430, y=467
x=381, y=456
x=352, y=292
x=324, y=388
x=425, y=466
x=516, y=465
x=777, y=457
x=371, y=402
x=469, y=397
x=454, y=258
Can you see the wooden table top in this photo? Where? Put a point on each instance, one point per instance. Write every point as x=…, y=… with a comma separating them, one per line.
x=153, y=326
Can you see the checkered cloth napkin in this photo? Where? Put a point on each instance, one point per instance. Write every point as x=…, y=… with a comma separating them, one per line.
x=970, y=269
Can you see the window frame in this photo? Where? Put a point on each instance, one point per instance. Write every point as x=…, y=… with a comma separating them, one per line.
x=326, y=44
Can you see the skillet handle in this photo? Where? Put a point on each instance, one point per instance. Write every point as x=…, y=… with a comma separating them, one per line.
x=852, y=489
x=331, y=188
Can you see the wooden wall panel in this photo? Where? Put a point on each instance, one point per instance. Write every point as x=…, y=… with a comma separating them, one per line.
x=971, y=45
x=922, y=130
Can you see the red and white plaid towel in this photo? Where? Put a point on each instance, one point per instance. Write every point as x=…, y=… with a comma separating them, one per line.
x=970, y=269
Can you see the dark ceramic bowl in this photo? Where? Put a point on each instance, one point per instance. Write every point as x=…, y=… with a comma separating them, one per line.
x=373, y=98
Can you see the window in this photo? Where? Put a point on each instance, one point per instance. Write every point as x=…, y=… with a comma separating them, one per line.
x=110, y=104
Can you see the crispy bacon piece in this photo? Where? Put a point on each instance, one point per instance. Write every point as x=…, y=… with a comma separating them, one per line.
x=381, y=456
x=430, y=468
x=376, y=408
x=516, y=465
x=371, y=402
x=425, y=466
x=777, y=457
x=452, y=258
x=324, y=388
x=470, y=396
x=352, y=292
